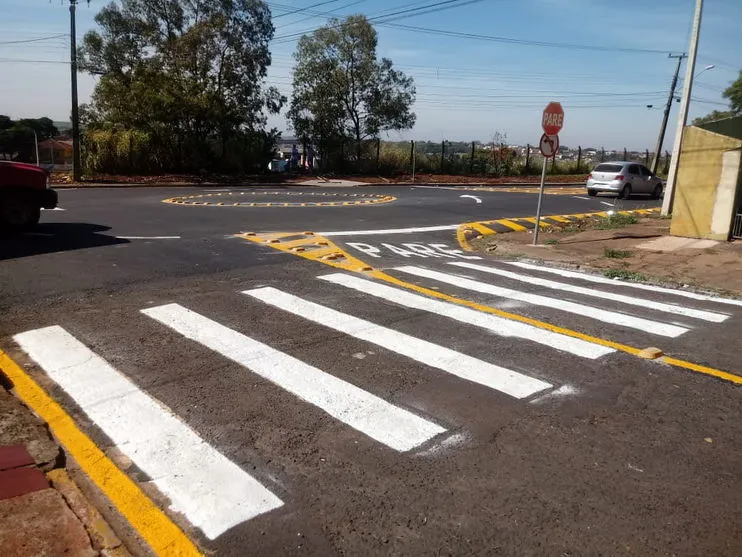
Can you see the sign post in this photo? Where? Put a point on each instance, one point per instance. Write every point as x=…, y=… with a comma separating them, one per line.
x=552, y=122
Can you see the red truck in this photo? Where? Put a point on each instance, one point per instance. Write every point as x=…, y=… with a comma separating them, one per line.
x=24, y=191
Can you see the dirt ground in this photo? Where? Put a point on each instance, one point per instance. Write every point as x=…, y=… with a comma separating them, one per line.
x=614, y=252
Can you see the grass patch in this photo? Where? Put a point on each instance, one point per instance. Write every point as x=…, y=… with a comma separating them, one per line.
x=551, y=242
x=617, y=253
x=621, y=274
x=616, y=221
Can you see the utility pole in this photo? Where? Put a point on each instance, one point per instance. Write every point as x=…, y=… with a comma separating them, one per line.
x=672, y=175
x=668, y=107
x=76, y=159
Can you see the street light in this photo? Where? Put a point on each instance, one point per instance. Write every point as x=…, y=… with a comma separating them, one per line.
x=707, y=68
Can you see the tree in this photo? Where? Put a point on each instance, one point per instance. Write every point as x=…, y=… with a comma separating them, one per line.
x=341, y=90
x=17, y=137
x=734, y=94
x=188, y=73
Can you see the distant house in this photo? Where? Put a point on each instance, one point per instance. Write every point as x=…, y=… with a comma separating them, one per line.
x=56, y=151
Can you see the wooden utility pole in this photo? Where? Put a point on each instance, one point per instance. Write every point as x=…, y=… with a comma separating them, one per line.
x=579, y=158
x=76, y=158
x=528, y=160
x=690, y=68
x=471, y=161
x=668, y=107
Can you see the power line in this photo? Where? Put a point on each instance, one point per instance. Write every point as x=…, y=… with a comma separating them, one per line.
x=36, y=40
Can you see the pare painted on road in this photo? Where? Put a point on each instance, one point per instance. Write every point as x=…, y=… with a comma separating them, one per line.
x=408, y=250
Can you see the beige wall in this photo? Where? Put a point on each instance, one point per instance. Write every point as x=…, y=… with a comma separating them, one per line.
x=709, y=174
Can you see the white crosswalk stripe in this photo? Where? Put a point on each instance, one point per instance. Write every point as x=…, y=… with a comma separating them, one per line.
x=652, y=327
x=211, y=491
x=498, y=325
x=397, y=428
x=637, y=285
x=612, y=296
x=456, y=363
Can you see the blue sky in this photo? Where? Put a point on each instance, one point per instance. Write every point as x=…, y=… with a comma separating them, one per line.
x=467, y=88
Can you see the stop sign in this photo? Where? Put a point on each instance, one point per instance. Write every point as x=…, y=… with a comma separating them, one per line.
x=553, y=118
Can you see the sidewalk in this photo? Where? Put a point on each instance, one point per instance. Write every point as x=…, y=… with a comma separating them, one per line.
x=627, y=248
x=42, y=511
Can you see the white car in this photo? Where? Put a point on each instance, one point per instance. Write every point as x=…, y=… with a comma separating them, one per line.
x=624, y=178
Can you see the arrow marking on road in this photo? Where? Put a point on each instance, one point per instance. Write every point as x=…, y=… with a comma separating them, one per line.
x=474, y=197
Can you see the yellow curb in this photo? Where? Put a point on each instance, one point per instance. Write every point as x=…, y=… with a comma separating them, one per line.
x=512, y=225
x=150, y=522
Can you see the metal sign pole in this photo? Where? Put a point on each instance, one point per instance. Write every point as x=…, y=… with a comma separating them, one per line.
x=540, y=199
x=413, y=162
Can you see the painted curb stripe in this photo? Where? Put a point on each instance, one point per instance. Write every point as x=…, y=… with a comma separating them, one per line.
x=151, y=523
x=497, y=325
x=612, y=317
x=611, y=296
x=495, y=377
x=212, y=492
x=388, y=424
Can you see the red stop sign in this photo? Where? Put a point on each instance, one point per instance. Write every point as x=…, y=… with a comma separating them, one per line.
x=553, y=118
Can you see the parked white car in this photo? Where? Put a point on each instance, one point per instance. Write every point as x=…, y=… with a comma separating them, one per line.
x=624, y=179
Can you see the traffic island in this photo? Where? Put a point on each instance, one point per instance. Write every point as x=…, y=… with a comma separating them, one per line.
x=634, y=247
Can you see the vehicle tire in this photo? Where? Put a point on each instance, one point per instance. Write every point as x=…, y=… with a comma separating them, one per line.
x=657, y=193
x=625, y=192
x=17, y=212
x=592, y=193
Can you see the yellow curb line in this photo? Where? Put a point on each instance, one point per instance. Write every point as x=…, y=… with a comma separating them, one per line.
x=151, y=523
x=347, y=262
x=369, y=199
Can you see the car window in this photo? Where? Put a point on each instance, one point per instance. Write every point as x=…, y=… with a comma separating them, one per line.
x=634, y=169
x=645, y=171
x=608, y=168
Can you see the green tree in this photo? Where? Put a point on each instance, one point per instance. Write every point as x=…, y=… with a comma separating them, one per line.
x=189, y=73
x=734, y=94
x=17, y=137
x=341, y=90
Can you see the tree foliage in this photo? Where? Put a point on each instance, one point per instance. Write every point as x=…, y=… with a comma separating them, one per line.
x=734, y=94
x=17, y=137
x=342, y=91
x=187, y=73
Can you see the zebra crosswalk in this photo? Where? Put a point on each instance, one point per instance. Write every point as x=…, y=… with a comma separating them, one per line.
x=215, y=493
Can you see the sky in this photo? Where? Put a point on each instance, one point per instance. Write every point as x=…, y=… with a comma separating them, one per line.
x=604, y=60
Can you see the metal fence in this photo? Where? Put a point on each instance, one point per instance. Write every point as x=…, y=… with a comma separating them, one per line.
x=737, y=226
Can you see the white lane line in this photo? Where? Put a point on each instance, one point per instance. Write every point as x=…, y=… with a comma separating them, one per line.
x=147, y=237
x=615, y=318
x=606, y=203
x=396, y=428
x=212, y=492
x=474, y=197
x=637, y=285
x=579, y=197
x=495, y=377
x=55, y=209
x=389, y=231
x=630, y=300
x=498, y=325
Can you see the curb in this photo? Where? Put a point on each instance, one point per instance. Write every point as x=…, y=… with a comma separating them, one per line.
x=478, y=229
x=205, y=185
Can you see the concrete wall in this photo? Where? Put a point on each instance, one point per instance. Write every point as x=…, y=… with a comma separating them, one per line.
x=709, y=173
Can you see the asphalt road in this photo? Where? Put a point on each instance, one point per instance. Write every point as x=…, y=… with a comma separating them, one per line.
x=441, y=405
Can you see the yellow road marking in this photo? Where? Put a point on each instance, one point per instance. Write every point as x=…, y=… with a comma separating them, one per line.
x=512, y=225
x=560, y=218
x=151, y=523
x=347, y=262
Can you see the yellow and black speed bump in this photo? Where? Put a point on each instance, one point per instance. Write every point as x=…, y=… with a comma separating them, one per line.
x=279, y=199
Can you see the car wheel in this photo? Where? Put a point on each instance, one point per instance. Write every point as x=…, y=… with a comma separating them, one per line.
x=18, y=213
x=657, y=193
x=592, y=193
x=625, y=192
